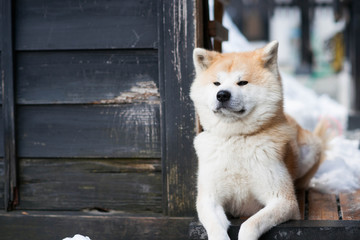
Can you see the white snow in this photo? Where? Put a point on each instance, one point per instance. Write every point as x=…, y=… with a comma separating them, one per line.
x=341, y=170
x=77, y=237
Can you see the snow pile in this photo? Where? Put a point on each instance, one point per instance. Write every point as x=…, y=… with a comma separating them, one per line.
x=308, y=108
x=341, y=170
x=77, y=237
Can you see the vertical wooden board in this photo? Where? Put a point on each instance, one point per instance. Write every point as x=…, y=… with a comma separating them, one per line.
x=1, y=134
x=178, y=21
x=1, y=183
x=350, y=205
x=8, y=102
x=300, y=194
x=1, y=3
x=322, y=206
x=93, y=24
x=54, y=77
x=0, y=57
x=75, y=184
x=116, y=131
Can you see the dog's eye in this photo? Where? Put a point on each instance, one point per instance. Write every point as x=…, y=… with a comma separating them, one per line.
x=242, y=83
x=216, y=83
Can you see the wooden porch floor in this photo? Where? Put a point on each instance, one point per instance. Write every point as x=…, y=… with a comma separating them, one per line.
x=324, y=217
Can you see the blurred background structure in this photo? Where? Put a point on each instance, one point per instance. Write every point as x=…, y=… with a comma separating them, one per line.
x=315, y=40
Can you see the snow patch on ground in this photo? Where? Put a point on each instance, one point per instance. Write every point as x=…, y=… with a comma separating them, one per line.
x=77, y=237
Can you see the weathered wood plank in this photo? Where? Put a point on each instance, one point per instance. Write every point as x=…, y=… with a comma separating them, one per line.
x=0, y=59
x=75, y=184
x=2, y=183
x=8, y=104
x=54, y=77
x=322, y=206
x=120, y=131
x=45, y=226
x=350, y=205
x=1, y=134
x=94, y=24
x=1, y=3
x=178, y=38
x=294, y=230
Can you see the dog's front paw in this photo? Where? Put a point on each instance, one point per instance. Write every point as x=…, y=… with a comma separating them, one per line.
x=247, y=232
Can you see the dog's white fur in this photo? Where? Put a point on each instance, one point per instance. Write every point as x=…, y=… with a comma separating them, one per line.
x=244, y=167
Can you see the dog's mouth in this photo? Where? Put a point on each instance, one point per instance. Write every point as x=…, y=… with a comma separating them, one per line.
x=242, y=111
x=225, y=110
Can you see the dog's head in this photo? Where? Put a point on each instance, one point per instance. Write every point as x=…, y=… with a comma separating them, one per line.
x=241, y=91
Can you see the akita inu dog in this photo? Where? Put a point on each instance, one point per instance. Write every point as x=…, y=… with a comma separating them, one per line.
x=251, y=155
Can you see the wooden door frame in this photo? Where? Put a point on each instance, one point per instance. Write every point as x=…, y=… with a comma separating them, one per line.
x=180, y=31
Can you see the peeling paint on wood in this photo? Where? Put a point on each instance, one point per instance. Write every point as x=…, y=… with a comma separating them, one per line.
x=90, y=76
x=141, y=92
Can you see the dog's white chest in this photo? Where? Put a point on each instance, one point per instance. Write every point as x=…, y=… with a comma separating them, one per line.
x=226, y=170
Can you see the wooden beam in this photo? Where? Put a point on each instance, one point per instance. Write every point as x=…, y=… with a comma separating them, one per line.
x=218, y=16
x=218, y=31
x=354, y=49
x=7, y=72
x=224, y=2
x=178, y=39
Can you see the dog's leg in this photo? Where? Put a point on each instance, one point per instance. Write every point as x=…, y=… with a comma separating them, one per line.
x=212, y=216
x=275, y=212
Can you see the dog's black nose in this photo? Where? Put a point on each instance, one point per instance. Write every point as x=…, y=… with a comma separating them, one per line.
x=223, y=96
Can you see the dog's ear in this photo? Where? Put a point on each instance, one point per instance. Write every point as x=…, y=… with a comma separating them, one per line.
x=203, y=59
x=269, y=55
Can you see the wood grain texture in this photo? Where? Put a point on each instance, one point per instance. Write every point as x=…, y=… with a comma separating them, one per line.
x=8, y=104
x=75, y=184
x=2, y=183
x=1, y=134
x=350, y=205
x=74, y=77
x=45, y=226
x=121, y=131
x=94, y=24
x=322, y=206
x=178, y=38
x=294, y=230
x=0, y=59
x=1, y=27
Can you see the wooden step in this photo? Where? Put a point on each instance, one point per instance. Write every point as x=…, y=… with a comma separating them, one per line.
x=56, y=225
x=324, y=217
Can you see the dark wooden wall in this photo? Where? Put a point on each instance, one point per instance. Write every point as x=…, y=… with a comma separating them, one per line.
x=87, y=113
x=97, y=108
